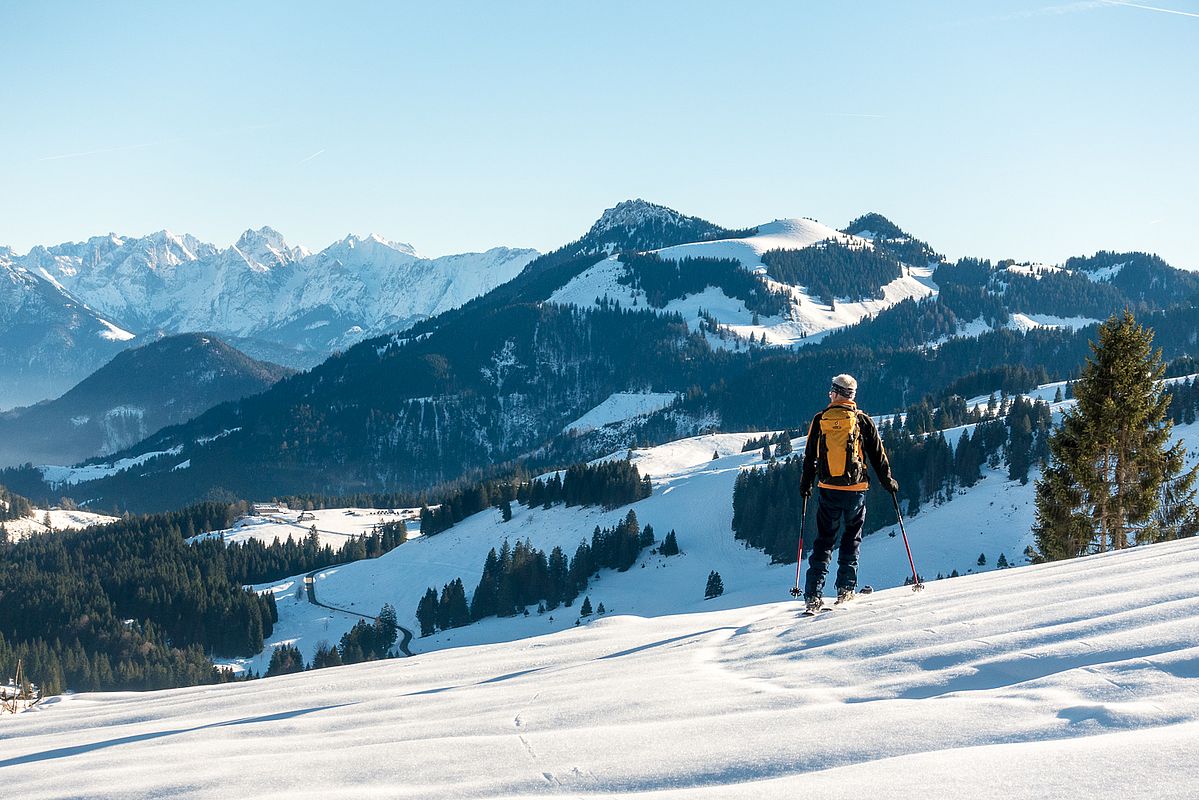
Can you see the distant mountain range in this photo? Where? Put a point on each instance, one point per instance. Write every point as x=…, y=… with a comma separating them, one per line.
x=67, y=309
x=140, y=391
x=742, y=327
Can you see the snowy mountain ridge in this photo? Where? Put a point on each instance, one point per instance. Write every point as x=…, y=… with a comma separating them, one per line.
x=805, y=319
x=275, y=301
x=633, y=214
x=260, y=286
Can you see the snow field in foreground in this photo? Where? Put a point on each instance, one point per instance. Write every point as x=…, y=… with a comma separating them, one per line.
x=1067, y=680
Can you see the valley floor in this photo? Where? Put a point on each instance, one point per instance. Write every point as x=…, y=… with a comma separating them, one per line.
x=1067, y=680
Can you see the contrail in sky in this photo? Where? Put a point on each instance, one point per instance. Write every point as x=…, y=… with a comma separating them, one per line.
x=1152, y=8
x=314, y=155
x=97, y=152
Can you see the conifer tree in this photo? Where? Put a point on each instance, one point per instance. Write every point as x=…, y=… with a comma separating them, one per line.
x=670, y=546
x=1111, y=456
x=426, y=612
x=585, y=610
x=285, y=659
x=325, y=656
x=715, y=587
x=387, y=627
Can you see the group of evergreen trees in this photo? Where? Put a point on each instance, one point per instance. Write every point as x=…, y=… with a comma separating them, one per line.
x=464, y=500
x=890, y=238
x=132, y=605
x=610, y=484
x=519, y=576
x=1184, y=401
x=663, y=280
x=13, y=506
x=129, y=605
x=252, y=561
x=370, y=641
x=366, y=641
x=831, y=270
x=773, y=440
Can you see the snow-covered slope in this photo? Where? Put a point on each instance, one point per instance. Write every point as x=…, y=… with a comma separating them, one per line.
x=1080, y=683
x=334, y=527
x=48, y=339
x=692, y=495
x=60, y=519
x=807, y=318
x=619, y=407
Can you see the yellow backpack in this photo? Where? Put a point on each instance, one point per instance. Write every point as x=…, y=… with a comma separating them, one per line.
x=840, y=461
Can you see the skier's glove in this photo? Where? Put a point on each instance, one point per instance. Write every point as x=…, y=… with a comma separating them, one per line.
x=892, y=486
x=805, y=490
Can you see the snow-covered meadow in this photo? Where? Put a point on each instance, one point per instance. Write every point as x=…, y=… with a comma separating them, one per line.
x=60, y=519
x=1067, y=680
x=334, y=526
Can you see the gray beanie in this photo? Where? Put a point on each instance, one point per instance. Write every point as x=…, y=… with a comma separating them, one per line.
x=845, y=385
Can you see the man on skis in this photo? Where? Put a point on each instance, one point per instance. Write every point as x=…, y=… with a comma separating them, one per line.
x=840, y=440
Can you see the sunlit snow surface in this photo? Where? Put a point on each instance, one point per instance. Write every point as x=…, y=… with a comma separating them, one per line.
x=692, y=495
x=60, y=520
x=1068, y=680
x=334, y=527
x=621, y=406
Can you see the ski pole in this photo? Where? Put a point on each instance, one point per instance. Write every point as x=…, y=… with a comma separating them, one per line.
x=803, y=518
x=917, y=585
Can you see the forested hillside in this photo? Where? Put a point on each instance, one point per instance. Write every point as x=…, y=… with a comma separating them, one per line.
x=488, y=388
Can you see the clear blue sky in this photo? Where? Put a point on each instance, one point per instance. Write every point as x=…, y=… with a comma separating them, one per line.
x=1023, y=129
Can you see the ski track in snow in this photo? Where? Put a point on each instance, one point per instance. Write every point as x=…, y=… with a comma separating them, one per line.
x=1081, y=683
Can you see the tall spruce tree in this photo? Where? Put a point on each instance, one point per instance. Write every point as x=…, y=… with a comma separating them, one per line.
x=1111, y=456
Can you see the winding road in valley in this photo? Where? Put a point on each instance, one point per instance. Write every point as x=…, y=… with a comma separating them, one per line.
x=310, y=586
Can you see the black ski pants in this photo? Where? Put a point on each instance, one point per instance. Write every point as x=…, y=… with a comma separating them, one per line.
x=837, y=508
